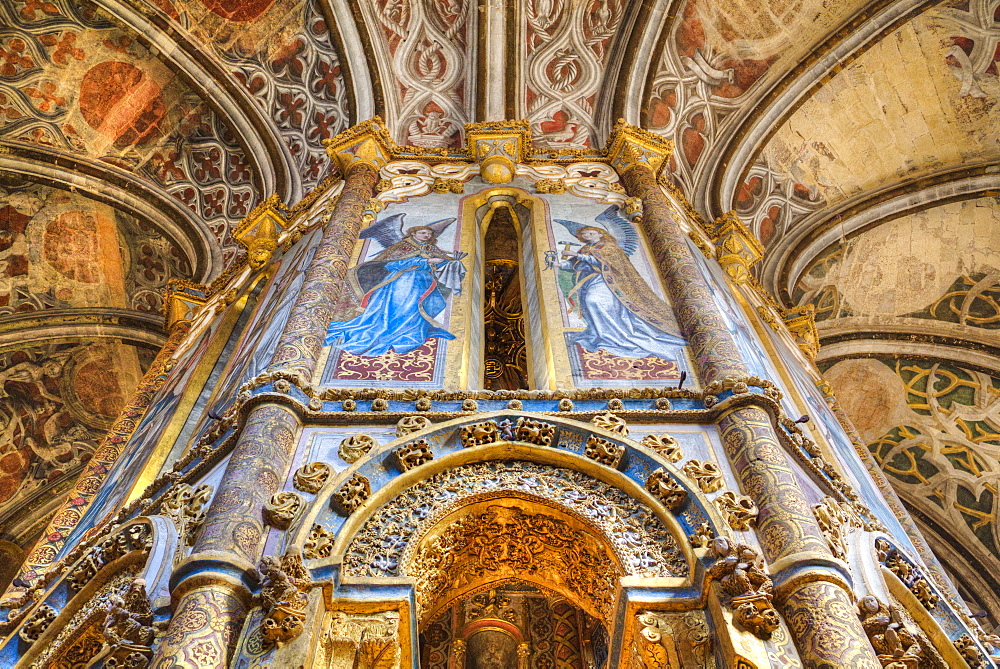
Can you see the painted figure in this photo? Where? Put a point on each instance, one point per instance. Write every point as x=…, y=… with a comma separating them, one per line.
x=623, y=314
x=395, y=297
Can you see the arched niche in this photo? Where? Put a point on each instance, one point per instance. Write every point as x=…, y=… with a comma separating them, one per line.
x=622, y=540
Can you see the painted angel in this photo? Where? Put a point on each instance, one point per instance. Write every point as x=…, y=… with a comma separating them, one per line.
x=394, y=298
x=623, y=314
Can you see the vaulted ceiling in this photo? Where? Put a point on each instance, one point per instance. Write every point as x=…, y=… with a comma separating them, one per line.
x=858, y=140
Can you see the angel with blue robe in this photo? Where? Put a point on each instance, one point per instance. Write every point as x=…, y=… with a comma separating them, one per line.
x=394, y=299
x=623, y=314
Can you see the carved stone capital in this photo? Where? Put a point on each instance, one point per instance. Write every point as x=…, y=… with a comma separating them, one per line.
x=367, y=143
x=630, y=146
x=736, y=247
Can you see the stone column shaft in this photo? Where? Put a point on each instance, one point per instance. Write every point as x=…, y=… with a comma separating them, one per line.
x=213, y=584
x=816, y=603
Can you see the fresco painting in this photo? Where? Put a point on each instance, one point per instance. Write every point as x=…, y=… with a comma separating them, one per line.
x=392, y=321
x=617, y=325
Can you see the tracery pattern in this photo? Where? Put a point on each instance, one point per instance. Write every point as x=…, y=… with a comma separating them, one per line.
x=644, y=545
x=72, y=80
x=431, y=66
x=565, y=52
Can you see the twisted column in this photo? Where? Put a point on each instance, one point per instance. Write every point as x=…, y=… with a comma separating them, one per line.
x=812, y=592
x=212, y=587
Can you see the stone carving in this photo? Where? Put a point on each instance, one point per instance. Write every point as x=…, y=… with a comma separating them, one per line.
x=349, y=404
x=550, y=186
x=36, y=625
x=495, y=541
x=615, y=404
x=128, y=627
x=706, y=474
x=604, y=451
x=740, y=572
x=469, y=404
x=319, y=543
x=282, y=508
x=662, y=403
x=135, y=537
x=478, y=434
x=515, y=405
x=442, y=185
x=702, y=536
x=644, y=545
x=380, y=404
x=897, y=646
x=738, y=510
x=422, y=404
x=911, y=576
x=186, y=506
x=535, y=432
x=565, y=404
x=361, y=641
x=970, y=652
x=666, y=489
x=285, y=583
x=352, y=494
x=355, y=447
x=611, y=422
x=410, y=424
x=698, y=637
x=412, y=455
x=837, y=520
x=663, y=444
x=312, y=476
x=652, y=629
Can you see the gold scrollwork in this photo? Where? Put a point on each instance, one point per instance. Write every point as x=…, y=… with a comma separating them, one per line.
x=604, y=451
x=413, y=455
x=706, y=474
x=311, y=477
x=739, y=510
x=666, y=489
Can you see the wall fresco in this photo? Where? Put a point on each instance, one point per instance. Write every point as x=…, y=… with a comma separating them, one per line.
x=56, y=403
x=941, y=263
x=61, y=250
x=394, y=326
x=617, y=325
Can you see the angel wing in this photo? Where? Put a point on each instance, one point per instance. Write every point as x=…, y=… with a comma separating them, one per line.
x=386, y=232
x=572, y=226
x=620, y=228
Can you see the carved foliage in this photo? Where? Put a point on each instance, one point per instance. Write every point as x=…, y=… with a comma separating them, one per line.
x=410, y=424
x=353, y=448
x=740, y=572
x=611, y=422
x=319, y=543
x=281, y=509
x=663, y=444
x=666, y=489
x=136, y=537
x=413, y=455
x=186, y=506
x=604, y=451
x=128, y=627
x=311, y=477
x=365, y=641
x=706, y=474
x=969, y=652
x=478, y=434
x=738, y=510
x=352, y=494
x=36, y=625
x=837, y=520
x=535, y=432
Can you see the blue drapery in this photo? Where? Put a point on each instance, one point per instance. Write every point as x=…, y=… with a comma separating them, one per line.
x=398, y=313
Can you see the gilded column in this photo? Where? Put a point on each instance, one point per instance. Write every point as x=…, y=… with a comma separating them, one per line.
x=812, y=592
x=212, y=587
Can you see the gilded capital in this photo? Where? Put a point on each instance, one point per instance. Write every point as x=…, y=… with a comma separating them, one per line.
x=498, y=146
x=367, y=143
x=258, y=231
x=630, y=146
x=801, y=322
x=736, y=247
x=182, y=300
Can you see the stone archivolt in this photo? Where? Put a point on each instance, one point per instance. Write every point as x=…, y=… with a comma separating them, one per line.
x=640, y=541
